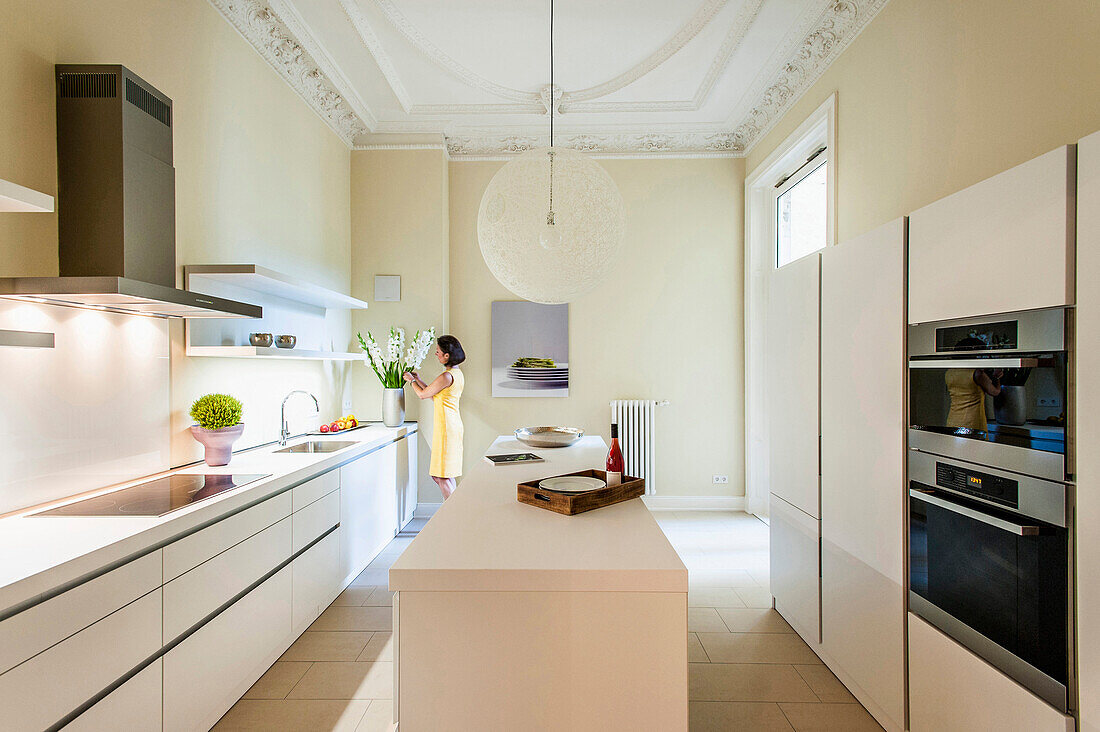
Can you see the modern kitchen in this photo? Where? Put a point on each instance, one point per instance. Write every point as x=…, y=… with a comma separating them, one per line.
x=375, y=365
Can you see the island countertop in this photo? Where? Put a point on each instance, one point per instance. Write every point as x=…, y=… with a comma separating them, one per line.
x=483, y=539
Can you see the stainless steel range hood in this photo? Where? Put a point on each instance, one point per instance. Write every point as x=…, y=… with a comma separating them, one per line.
x=116, y=203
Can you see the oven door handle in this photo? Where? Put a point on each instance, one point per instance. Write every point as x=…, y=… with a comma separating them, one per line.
x=973, y=363
x=970, y=513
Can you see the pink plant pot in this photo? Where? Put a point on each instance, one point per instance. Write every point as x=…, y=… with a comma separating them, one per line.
x=218, y=443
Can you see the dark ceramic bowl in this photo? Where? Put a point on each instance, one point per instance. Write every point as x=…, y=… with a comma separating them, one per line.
x=285, y=341
x=260, y=340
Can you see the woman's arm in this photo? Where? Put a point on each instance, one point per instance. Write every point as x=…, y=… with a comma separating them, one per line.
x=991, y=386
x=428, y=391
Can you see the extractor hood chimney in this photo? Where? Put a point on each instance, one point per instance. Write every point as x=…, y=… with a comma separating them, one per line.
x=116, y=203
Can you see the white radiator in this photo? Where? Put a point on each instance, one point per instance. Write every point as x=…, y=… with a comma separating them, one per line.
x=635, y=419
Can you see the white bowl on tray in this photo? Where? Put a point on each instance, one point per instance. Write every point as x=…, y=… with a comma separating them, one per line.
x=549, y=436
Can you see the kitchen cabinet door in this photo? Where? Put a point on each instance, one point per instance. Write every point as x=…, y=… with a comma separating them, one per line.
x=952, y=690
x=1001, y=245
x=863, y=506
x=213, y=667
x=135, y=706
x=406, y=479
x=368, y=508
x=1088, y=432
x=795, y=568
x=792, y=348
x=316, y=580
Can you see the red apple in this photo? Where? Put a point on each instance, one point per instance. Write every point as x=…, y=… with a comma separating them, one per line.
x=334, y=427
x=324, y=428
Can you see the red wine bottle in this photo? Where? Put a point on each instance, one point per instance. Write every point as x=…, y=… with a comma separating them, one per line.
x=614, y=458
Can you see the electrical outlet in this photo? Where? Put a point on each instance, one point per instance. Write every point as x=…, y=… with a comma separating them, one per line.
x=347, y=405
x=1050, y=402
x=721, y=479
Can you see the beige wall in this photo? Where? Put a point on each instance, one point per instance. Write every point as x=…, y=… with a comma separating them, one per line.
x=936, y=95
x=259, y=177
x=666, y=325
x=399, y=221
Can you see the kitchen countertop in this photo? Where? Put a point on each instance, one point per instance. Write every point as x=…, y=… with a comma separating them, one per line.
x=38, y=555
x=482, y=538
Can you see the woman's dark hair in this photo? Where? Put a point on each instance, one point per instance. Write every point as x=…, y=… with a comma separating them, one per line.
x=450, y=345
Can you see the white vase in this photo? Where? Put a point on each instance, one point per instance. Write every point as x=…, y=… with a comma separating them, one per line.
x=393, y=407
x=218, y=443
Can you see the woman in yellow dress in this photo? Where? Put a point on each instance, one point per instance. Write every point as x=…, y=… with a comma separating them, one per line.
x=444, y=392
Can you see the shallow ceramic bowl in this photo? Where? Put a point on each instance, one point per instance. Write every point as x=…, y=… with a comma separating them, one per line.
x=548, y=436
x=285, y=341
x=260, y=340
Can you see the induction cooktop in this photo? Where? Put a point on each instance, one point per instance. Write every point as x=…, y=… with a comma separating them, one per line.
x=155, y=497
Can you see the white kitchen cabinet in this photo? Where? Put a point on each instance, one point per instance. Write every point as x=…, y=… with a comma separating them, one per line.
x=792, y=347
x=314, y=520
x=135, y=706
x=316, y=580
x=999, y=246
x=37, y=628
x=368, y=508
x=44, y=689
x=308, y=492
x=194, y=549
x=195, y=594
x=1088, y=432
x=952, y=690
x=212, y=668
x=863, y=495
x=796, y=568
x=406, y=479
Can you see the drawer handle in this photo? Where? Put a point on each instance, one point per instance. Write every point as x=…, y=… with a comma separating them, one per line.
x=540, y=497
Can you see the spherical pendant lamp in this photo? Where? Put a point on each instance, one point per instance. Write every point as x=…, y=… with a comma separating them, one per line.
x=551, y=221
x=550, y=225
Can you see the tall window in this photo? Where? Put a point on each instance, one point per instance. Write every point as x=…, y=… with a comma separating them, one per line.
x=801, y=210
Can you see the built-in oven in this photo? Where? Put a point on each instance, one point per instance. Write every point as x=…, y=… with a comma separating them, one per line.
x=990, y=497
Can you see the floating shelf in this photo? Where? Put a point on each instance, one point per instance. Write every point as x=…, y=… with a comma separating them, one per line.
x=16, y=198
x=271, y=353
x=261, y=279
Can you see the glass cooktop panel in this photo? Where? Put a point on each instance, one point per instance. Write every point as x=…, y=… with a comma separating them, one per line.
x=156, y=497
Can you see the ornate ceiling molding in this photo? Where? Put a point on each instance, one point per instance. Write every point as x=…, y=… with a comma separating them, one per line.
x=269, y=35
x=701, y=143
x=836, y=28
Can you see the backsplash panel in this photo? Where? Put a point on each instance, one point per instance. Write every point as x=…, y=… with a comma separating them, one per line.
x=91, y=412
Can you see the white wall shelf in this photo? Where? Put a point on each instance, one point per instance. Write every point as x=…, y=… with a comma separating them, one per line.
x=16, y=198
x=271, y=353
x=261, y=279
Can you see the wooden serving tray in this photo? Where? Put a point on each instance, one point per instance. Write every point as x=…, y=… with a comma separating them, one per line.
x=574, y=503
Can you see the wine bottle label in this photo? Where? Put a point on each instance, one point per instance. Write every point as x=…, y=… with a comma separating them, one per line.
x=614, y=478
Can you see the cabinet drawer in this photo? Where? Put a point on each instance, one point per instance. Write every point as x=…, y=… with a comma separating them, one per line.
x=796, y=568
x=193, y=550
x=41, y=691
x=308, y=492
x=135, y=706
x=317, y=578
x=36, y=629
x=194, y=595
x=210, y=670
x=315, y=519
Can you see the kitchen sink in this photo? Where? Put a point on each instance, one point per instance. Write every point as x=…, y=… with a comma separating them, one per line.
x=314, y=446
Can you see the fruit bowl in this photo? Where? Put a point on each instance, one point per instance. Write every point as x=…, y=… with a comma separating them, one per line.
x=549, y=436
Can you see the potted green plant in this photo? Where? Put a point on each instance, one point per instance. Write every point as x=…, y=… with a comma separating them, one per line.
x=218, y=426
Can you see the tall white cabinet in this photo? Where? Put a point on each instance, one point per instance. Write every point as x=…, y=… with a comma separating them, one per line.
x=1088, y=432
x=792, y=398
x=863, y=506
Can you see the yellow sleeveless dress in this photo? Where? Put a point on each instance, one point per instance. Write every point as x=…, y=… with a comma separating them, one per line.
x=447, y=429
x=967, y=400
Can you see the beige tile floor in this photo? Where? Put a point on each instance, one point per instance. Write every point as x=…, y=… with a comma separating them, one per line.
x=747, y=669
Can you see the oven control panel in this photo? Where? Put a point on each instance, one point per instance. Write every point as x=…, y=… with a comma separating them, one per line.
x=990, y=487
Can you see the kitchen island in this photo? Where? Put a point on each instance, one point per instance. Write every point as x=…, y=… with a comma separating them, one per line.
x=508, y=616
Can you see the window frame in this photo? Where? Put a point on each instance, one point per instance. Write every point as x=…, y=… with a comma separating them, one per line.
x=804, y=171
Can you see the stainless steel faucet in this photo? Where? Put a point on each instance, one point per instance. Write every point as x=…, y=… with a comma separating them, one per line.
x=284, y=430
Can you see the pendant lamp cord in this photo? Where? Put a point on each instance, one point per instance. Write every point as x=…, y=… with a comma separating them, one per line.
x=553, y=102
